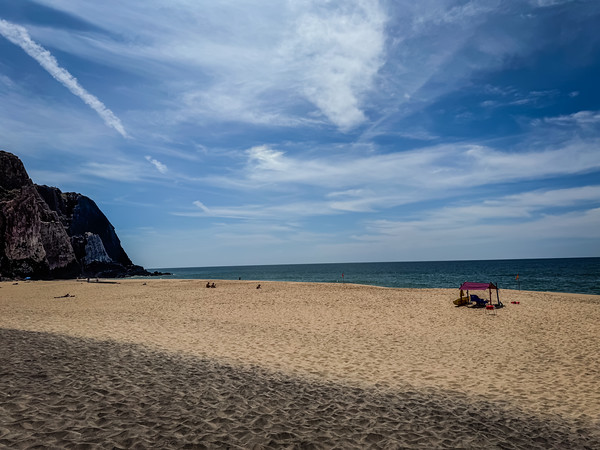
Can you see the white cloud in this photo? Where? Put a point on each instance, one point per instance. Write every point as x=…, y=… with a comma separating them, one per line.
x=339, y=56
x=368, y=183
x=327, y=55
x=19, y=36
x=339, y=51
x=436, y=229
x=7, y=81
x=474, y=233
x=386, y=193
x=521, y=212
x=440, y=13
x=162, y=168
x=112, y=171
x=426, y=169
x=122, y=169
x=201, y=205
x=580, y=118
x=268, y=211
x=548, y=3
x=553, y=198
x=259, y=71
x=520, y=207
x=263, y=157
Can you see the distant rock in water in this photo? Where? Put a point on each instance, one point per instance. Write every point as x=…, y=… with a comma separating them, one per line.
x=45, y=233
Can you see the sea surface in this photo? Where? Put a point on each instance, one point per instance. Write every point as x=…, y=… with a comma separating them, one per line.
x=576, y=275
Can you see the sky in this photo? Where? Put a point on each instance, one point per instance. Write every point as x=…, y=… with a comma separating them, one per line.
x=305, y=131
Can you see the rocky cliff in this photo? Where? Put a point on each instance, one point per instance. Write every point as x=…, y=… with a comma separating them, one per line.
x=45, y=233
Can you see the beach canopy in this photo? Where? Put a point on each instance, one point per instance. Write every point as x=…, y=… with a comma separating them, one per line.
x=470, y=286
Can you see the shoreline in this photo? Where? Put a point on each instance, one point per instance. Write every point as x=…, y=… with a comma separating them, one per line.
x=532, y=360
x=151, y=278
x=136, y=278
x=550, y=274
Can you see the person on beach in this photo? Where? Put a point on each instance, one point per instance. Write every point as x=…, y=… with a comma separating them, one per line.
x=258, y=287
x=208, y=284
x=213, y=285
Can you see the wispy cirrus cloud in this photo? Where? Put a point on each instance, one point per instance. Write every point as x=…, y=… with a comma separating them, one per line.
x=382, y=182
x=548, y=3
x=18, y=35
x=502, y=228
x=503, y=97
x=202, y=206
x=436, y=229
x=444, y=166
x=266, y=71
x=521, y=207
x=541, y=237
x=256, y=211
x=580, y=118
x=162, y=168
x=121, y=171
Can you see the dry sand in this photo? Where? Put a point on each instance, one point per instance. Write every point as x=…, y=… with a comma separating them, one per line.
x=171, y=364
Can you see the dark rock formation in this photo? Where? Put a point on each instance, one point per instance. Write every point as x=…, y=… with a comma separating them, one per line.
x=45, y=233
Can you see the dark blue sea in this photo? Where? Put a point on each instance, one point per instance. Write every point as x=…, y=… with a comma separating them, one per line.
x=576, y=275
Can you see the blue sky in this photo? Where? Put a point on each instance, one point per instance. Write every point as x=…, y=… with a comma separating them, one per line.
x=272, y=132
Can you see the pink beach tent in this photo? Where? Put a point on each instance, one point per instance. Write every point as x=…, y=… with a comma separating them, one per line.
x=471, y=286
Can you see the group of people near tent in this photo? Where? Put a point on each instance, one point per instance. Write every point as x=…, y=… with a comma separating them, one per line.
x=473, y=300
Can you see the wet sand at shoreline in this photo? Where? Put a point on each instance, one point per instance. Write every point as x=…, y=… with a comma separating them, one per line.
x=171, y=363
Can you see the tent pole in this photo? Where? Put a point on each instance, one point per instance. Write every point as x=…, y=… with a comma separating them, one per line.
x=497, y=294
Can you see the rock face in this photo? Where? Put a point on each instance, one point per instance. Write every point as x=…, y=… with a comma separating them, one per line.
x=45, y=233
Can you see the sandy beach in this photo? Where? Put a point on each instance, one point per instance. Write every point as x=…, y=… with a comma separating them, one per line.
x=171, y=364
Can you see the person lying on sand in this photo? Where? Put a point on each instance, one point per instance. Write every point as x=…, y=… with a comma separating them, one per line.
x=65, y=296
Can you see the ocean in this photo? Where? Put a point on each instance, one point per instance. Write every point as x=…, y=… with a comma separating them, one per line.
x=576, y=275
